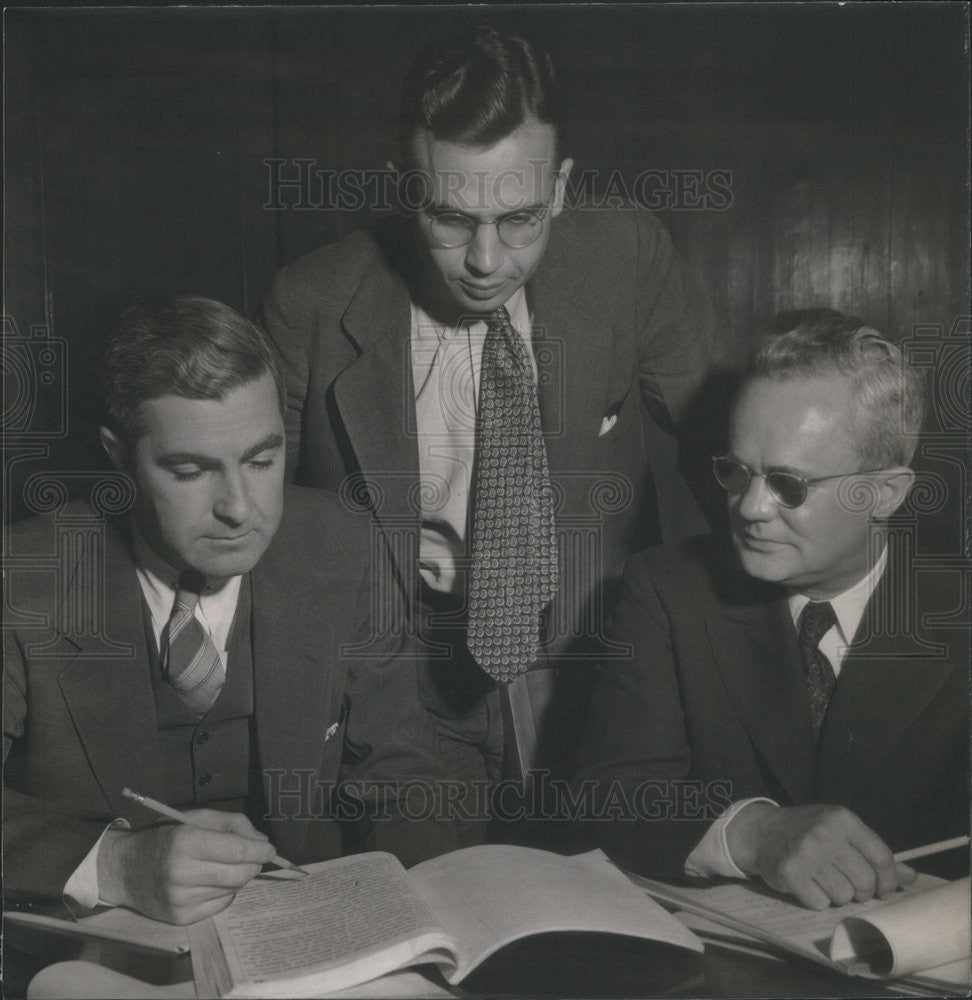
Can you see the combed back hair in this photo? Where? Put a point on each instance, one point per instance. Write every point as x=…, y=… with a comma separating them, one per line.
x=476, y=87
x=888, y=403
x=192, y=347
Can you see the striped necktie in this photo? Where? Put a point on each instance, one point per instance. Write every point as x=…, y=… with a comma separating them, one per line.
x=514, y=541
x=190, y=662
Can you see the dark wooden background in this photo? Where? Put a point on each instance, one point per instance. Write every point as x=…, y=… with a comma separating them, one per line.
x=136, y=141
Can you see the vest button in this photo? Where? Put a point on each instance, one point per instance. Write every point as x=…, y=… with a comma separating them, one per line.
x=205, y=779
x=202, y=739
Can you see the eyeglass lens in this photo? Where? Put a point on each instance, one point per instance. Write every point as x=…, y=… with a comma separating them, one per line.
x=516, y=231
x=735, y=477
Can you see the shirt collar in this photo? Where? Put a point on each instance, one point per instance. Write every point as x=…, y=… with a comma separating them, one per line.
x=848, y=606
x=424, y=328
x=158, y=581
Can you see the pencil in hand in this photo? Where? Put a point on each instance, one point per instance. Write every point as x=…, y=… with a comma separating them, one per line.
x=178, y=817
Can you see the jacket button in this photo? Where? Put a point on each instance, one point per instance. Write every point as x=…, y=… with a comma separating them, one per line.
x=202, y=739
x=205, y=779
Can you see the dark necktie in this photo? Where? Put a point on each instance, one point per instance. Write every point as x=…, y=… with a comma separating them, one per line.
x=514, y=542
x=190, y=661
x=816, y=621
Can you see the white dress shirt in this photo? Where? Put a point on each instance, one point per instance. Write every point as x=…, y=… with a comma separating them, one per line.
x=711, y=855
x=215, y=609
x=446, y=361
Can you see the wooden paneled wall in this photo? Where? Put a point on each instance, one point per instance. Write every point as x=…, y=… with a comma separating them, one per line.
x=820, y=149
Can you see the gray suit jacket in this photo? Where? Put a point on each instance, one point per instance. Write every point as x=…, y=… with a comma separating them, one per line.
x=711, y=706
x=78, y=710
x=612, y=340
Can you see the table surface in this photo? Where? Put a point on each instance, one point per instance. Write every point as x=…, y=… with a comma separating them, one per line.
x=562, y=966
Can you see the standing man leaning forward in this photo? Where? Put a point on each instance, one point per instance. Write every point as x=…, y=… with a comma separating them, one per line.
x=795, y=670
x=235, y=606
x=505, y=372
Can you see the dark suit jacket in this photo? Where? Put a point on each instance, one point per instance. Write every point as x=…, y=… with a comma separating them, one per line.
x=611, y=339
x=714, y=695
x=78, y=710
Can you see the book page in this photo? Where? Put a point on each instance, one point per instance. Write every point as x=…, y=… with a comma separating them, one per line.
x=758, y=910
x=909, y=934
x=352, y=915
x=492, y=895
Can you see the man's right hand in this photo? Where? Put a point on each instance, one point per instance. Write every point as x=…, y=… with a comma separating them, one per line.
x=821, y=854
x=178, y=873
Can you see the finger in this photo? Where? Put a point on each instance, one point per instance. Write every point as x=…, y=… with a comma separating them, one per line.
x=859, y=873
x=226, y=848
x=215, y=877
x=199, y=908
x=794, y=877
x=873, y=849
x=806, y=891
x=837, y=887
x=905, y=873
x=227, y=822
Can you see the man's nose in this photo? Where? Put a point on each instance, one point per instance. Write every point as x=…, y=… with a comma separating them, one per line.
x=232, y=502
x=484, y=253
x=756, y=502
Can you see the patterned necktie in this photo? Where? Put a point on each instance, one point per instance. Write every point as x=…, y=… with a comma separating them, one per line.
x=816, y=621
x=514, y=541
x=190, y=662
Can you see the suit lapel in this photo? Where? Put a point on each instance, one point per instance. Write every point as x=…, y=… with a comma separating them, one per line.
x=755, y=649
x=122, y=747
x=297, y=684
x=375, y=394
x=887, y=680
x=576, y=362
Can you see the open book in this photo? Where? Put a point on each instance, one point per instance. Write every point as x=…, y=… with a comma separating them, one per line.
x=360, y=917
x=920, y=936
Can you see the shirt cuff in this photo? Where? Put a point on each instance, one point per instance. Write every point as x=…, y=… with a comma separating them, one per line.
x=80, y=892
x=710, y=857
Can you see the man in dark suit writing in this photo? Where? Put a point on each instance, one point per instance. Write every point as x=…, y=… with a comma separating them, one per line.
x=795, y=670
x=196, y=648
x=505, y=373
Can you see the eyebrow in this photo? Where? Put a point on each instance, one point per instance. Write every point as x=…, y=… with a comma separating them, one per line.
x=448, y=210
x=175, y=458
x=792, y=470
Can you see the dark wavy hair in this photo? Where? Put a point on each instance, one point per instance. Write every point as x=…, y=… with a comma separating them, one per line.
x=188, y=346
x=477, y=86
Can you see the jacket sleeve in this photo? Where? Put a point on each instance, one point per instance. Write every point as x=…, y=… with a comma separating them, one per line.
x=645, y=810
x=286, y=318
x=674, y=355
x=673, y=322
x=43, y=842
x=391, y=766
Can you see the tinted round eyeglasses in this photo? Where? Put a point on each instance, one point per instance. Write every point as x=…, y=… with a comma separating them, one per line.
x=515, y=230
x=788, y=489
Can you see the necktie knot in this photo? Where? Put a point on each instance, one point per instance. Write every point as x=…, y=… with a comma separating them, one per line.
x=498, y=319
x=190, y=661
x=816, y=621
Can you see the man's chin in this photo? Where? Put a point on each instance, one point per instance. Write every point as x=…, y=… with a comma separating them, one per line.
x=762, y=565
x=215, y=565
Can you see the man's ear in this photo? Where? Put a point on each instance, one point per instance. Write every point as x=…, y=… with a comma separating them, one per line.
x=894, y=486
x=114, y=448
x=560, y=190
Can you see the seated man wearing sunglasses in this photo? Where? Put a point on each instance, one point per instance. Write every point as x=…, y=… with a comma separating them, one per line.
x=790, y=709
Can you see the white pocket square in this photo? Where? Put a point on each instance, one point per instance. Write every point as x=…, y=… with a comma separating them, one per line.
x=331, y=730
x=606, y=424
